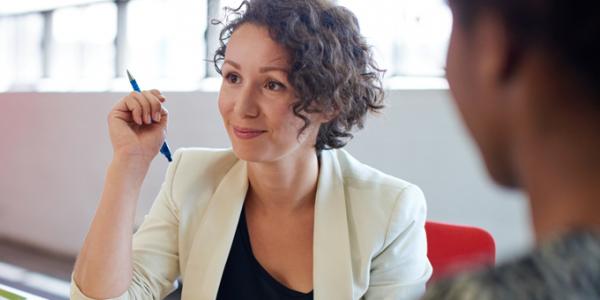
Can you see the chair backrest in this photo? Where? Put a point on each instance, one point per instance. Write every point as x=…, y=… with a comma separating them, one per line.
x=456, y=248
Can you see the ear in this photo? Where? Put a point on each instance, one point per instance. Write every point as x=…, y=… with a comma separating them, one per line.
x=497, y=56
x=322, y=116
x=326, y=117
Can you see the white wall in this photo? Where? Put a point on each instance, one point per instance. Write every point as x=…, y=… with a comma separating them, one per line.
x=55, y=148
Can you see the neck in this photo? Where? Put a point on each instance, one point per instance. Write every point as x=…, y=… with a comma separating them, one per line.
x=289, y=184
x=560, y=169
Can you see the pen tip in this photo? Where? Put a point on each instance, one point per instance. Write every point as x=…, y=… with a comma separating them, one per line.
x=129, y=75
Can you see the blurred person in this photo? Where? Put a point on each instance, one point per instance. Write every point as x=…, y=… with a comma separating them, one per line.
x=525, y=75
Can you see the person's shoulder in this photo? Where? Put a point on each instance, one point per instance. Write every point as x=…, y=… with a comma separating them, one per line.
x=474, y=286
x=379, y=186
x=375, y=195
x=381, y=205
x=200, y=165
x=358, y=173
x=204, y=156
x=510, y=280
x=565, y=268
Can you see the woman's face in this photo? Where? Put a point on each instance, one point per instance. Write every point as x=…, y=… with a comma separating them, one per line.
x=255, y=99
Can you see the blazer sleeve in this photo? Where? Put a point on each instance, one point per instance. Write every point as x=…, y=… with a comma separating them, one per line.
x=155, y=248
x=402, y=269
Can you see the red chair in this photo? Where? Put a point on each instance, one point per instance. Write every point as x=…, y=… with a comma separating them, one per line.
x=454, y=248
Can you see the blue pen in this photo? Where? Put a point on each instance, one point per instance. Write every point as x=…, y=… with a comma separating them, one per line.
x=165, y=148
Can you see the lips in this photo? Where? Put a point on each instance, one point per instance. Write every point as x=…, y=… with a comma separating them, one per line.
x=247, y=133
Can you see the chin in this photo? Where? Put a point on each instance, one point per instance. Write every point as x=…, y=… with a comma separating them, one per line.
x=502, y=173
x=505, y=181
x=247, y=153
x=251, y=153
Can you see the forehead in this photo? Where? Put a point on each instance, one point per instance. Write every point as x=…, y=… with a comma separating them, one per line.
x=251, y=44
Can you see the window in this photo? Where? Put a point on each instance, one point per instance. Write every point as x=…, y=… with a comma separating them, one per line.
x=81, y=48
x=21, y=53
x=87, y=44
x=7, y=67
x=409, y=37
x=165, y=42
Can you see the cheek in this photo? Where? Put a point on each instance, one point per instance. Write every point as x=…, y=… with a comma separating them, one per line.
x=452, y=63
x=457, y=73
x=225, y=105
x=283, y=118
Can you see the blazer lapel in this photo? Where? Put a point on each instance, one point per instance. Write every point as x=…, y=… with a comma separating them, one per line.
x=332, y=264
x=214, y=237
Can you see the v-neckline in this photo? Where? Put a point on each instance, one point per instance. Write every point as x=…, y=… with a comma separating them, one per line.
x=245, y=234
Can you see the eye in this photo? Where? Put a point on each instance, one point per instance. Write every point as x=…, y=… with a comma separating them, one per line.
x=232, y=78
x=274, y=85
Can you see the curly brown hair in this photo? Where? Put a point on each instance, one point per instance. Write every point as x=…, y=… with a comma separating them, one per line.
x=332, y=67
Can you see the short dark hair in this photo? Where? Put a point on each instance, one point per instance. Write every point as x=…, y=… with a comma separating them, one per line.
x=332, y=67
x=569, y=30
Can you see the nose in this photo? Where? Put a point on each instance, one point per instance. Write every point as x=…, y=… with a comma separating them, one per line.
x=245, y=104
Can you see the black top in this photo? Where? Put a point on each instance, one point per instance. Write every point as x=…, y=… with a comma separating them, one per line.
x=245, y=278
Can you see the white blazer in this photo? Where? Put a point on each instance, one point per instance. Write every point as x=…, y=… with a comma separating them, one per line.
x=369, y=237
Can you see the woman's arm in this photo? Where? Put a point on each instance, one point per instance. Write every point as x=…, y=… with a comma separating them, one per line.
x=104, y=268
x=153, y=254
x=136, y=125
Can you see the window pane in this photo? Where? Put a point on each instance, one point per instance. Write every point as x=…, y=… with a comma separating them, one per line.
x=410, y=37
x=228, y=3
x=217, y=11
x=21, y=51
x=25, y=6
x=7, y=53
x=166, y=41
x=83, y=43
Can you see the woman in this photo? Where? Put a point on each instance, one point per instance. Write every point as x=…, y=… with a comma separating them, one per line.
x=282, y=214
x=525, y=76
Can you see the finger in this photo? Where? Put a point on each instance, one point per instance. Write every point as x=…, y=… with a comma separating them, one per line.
x=146, y=108
x=134, y=107
x=164, y=117
x=158, y=95
x=125, y=116
x=154, y=105
x=164, y=113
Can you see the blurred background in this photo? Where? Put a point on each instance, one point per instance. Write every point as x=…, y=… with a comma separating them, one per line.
x=62, y=67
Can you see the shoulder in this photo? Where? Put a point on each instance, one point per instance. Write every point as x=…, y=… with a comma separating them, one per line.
x=465, y=287
x=198, y=161
x=365, y=183
x=193, y=158
x=379, y=201
x=198, y=168
x=513, y=280
x=564, y=268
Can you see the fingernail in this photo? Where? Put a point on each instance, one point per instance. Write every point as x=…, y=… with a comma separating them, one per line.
x=148, y=119
x=157, y=117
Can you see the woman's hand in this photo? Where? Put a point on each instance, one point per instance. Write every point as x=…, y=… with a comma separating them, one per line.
x=137, y=125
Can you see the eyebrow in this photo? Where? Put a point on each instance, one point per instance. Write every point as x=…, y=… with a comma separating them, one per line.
x=234, y=64
x=261, y=70
x=273, y=68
